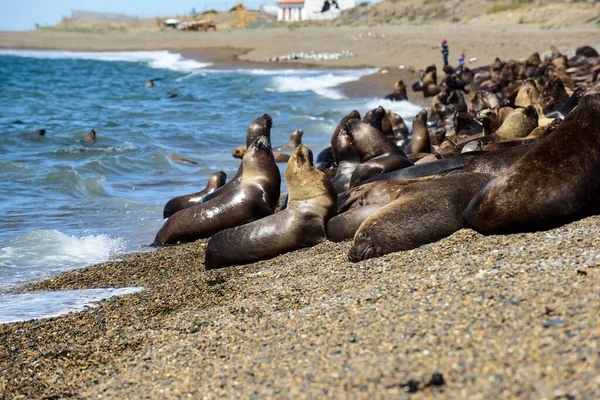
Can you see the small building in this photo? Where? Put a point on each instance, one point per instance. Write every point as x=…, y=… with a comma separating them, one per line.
x=311, y=10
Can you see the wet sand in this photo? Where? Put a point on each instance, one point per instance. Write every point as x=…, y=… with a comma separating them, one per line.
x=498, y=316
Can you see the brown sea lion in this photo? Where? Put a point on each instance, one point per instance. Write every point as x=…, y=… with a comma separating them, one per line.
x=342, y=227
x=553, y=95
x=239, y=152
x=399, y=93
x=183, y=160
x=178, y=203
x=499, y=161
x=393, y=126
x=90, y=137
x=555, y=182
x=351, y=116
x=423, y=213
x=255, y=197
x=528, y=94
x=420, y=141
x=518, y=124
x=295, y=141
x=150, y=83
x=311, y=203
x=261, y=126
x=490, y=121
x=378, y=154
x=36, y=133
x=349, y=159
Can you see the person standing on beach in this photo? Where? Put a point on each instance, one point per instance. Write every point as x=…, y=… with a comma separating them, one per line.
x=445, y=50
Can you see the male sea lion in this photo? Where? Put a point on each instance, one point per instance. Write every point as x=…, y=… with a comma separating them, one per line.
x=351, y=116
x=375, y=118
x=261, y=126
x=178, y=203
x=348, y=160
x=90, y=137
x=378, y=154
x=423, y=213
x=255, y=197
x=311, y=202
x=295, y=141
x=553, y=183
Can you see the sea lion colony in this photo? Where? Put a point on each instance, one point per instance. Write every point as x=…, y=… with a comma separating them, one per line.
x=522, y=154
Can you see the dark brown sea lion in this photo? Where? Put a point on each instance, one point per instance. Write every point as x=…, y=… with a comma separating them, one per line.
x=351, y=116
x=420, y=141
x=343, y=227
x=553, y=95
x=90, y=137
x=555, y=182
x=178, y=203
x=36, y=133
x=295, y=141
x=349, y=159
x=150, y=83
x=587, y=51
x=261, y=126
x=311, y=203
x=427, y=169
x=378, y=154
x=375, y=118
x=423, y=213
x=255, y=197
x=498, y=162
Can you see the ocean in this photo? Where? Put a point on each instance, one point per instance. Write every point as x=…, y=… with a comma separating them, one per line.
x=66, y=204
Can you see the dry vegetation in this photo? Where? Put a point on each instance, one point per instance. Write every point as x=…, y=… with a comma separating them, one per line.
x=546, y=14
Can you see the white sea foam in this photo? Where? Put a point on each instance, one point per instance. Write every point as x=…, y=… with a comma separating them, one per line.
x=405, y=109
x=159, y=59
x=323, y=84
x=23, y=307
x=40, y=253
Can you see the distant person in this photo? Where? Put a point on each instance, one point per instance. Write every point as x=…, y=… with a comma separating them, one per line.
x=335, y=4
x=445, y=51
x=326, y=6
x=461, y=60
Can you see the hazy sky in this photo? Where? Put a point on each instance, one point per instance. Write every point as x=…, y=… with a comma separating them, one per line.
x=24, y=14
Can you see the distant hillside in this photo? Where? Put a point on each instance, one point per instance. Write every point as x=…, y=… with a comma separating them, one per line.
x=545, y=13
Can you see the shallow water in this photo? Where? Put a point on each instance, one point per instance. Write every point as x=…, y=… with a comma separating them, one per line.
x=66, y=204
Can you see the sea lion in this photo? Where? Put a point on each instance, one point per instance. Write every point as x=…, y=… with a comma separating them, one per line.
x=555, y=182
x=150, y=83
x=351, y=116
x=420, y=141
x=423, y=213
x=349, y=159
x=239, y=152
x=311, y=202
x=423, y=170
x=472, y=146
x=295, y=141
x=553, y=95
x=375, y=118
x=393, y=126
x=378, y=154
x=587, y=51
x=36, y=133
x=178, y=203
x=518, y=124
x=90, y=137
x=490, y=121
x=255, y=197
x=499, y=161
x=343, y=227
x=528, y=94
x=183, y=160
x=399, y=93
x=261, y=126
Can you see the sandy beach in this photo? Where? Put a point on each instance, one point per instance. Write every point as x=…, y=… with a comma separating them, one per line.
x=503, y=316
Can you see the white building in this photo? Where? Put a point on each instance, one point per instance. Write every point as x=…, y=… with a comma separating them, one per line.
x=311, y=10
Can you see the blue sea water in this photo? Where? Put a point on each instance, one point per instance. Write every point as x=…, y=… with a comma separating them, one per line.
x=65, y=204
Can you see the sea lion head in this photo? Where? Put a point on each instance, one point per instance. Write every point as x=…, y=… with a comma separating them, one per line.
x=216, y=180
x=259, y=150
x=362, y=246
x=375, y=117
x=489, y=120
x=259, y=127
x=239, y=152
x=399, y=86
x=90, y=137
x=296, y=136
x=346, y=149
x=303, y=180
x=351, y=116
x=528, y=94
x=150, y=83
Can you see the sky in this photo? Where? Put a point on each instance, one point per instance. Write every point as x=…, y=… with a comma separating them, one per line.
x=22, y=15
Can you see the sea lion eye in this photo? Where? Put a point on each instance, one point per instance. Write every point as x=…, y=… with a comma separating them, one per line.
x=362, y=235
